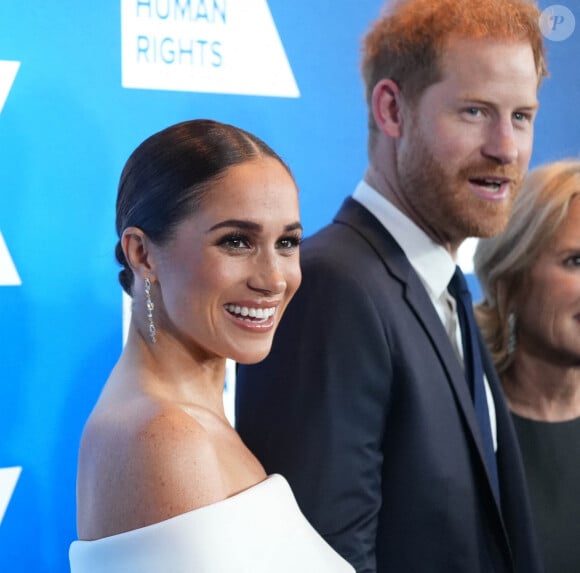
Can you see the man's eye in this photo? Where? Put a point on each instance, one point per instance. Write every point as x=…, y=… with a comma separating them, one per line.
x=521, y=116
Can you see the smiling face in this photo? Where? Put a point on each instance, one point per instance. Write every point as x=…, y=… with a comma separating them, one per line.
x=468, y=140
x=226, y=277
x=548, y=317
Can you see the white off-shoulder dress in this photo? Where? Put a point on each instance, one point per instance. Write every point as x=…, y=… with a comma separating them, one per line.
x=260, y=530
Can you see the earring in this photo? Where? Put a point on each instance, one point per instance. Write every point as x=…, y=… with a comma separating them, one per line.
x=511, y=342
x=150, y=306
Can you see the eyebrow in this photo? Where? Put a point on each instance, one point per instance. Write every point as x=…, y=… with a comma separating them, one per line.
x=468, y=98
x=250, y=225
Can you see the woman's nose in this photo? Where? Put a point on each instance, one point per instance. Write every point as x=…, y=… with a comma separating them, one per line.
x=267, y=275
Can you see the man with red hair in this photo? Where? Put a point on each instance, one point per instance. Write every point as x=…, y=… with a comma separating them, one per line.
x=405, y=462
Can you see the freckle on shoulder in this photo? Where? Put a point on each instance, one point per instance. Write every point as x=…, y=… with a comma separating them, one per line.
x=173, y=465
x=171, y=426
x=144, y=462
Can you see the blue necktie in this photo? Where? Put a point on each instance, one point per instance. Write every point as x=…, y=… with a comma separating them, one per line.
x=474, y=369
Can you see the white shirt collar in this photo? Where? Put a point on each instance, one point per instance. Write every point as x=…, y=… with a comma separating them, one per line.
x=432, y=262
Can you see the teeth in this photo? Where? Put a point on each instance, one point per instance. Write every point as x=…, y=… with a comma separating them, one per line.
x=493, y=183
x=244, y=311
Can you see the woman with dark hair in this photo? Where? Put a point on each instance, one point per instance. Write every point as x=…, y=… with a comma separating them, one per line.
x=530, y=318
x=209, y=229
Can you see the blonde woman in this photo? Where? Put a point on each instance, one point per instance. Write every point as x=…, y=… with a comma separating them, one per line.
x=530, y=318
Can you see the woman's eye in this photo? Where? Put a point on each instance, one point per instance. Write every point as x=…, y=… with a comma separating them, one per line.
x=573, y=261
x=288, y=243
x=234, y=242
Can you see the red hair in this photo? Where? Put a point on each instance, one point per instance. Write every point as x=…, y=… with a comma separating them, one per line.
x=405, y=45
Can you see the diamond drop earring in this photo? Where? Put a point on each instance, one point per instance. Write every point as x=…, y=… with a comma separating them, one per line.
x=150, y=306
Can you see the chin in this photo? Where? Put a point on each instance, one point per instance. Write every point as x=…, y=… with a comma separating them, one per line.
x=486, y=225
x=490, y=230
x=251, y=357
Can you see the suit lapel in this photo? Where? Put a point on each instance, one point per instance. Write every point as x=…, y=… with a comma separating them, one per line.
x=365, y=224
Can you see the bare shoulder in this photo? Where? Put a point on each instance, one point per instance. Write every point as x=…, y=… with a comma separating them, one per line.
x=176, y=459
x=143, y=464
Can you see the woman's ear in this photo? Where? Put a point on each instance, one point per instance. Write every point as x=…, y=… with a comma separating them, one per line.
x=136, y=246
x=387, y=108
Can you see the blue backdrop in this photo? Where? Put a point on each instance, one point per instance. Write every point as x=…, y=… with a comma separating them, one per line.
x=81, y=84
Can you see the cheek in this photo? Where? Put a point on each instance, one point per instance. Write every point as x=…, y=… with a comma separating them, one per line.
x=215, y=274
x=451, y=143
x=525, y=146
x=293, y=278
x=537, y=299
x=545, y=299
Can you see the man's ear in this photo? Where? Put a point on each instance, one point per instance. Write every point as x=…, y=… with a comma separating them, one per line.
x=387, y=108
x=136, y=246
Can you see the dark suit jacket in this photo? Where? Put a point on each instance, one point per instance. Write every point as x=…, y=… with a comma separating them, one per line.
x=363, y=405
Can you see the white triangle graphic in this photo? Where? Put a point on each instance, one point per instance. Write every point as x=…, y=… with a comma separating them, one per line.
x=8, y=71
x=8, y=274
x=8, y=479
x=210, y=46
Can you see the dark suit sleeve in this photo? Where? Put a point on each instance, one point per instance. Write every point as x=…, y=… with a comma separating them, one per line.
x=315, y=409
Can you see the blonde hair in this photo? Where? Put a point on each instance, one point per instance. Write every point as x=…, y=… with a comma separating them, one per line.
x=503, y=262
